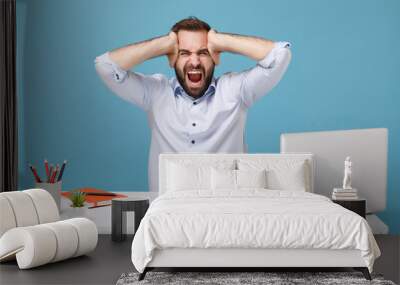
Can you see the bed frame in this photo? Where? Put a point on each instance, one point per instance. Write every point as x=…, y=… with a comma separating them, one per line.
x=262, y=259
x=244, y=259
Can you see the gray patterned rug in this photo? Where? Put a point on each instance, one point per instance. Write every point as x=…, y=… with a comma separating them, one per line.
x=229, y=278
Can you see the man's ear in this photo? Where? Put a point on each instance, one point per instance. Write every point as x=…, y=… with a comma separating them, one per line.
x=216, y=57
x=173, y=54
x=172, y=60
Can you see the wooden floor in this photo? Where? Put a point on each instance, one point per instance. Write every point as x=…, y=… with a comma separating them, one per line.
x=111, y=259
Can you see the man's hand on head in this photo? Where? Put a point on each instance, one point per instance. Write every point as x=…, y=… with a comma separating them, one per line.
x=173, y=49
x=212, y=46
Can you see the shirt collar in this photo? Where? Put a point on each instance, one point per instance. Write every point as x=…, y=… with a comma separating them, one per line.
x=178, y=89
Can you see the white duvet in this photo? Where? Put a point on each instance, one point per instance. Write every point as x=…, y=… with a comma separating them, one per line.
x=250, y=218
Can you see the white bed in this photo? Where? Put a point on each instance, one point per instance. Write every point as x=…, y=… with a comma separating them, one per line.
x=200, y=220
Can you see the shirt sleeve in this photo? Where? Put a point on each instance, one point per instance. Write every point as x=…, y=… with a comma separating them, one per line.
x=133, y=87
x=252, y=84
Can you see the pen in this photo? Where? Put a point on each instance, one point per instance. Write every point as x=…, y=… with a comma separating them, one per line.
x=62, y=170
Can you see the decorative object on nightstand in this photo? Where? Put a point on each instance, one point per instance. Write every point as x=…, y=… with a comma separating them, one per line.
x=347, y=173
x=347, y=196
x=118, y=215
x=358, y=206
x=347, y=192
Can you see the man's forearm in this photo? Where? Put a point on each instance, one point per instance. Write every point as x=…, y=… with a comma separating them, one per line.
x=129, y=56
x=253, y=47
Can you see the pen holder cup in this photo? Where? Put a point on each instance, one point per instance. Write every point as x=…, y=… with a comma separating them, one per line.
x=54, y=189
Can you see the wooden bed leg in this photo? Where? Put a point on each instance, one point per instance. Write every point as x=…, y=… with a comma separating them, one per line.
x=143, y=274
x=364, y=271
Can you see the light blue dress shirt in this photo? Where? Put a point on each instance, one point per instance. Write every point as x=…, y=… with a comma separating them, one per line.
x=212, y=123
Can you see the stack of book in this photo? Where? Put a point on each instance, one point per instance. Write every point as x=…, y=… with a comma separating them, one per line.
x=344, y=194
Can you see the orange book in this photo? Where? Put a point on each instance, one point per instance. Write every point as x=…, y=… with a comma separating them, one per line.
x=96, y=200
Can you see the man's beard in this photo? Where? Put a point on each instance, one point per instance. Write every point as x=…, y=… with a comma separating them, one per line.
x=181, y=79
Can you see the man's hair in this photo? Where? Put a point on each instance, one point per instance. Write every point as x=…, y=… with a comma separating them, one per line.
x=191, y=24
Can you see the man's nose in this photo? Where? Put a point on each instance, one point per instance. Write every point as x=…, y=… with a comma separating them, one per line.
x=195, y=60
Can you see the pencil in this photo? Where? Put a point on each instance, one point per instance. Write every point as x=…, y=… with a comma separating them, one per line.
x=37, y=178
x=46, y=167
x=53, y=176
x=50, y=173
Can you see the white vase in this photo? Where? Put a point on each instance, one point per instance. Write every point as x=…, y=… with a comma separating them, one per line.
x=76, y=212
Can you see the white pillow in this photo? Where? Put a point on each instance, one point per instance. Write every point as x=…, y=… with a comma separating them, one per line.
x=282, y=174
x=192, y=175
x=181, y=178
x=251, y=178
x=237, y=179
x=288, y=179
x=223, y=179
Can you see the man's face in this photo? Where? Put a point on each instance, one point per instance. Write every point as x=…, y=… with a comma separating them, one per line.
x=194, y=67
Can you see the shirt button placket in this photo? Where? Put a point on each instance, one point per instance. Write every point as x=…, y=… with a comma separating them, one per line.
x=194, y=124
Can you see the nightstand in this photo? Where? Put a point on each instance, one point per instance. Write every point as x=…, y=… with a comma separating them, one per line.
x=358, y=206
x=118, y=208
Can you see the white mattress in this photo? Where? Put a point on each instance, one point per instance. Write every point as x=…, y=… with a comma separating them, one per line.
x=250, y=218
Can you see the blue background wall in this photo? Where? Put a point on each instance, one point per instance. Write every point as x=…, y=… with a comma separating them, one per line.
x=342, y=76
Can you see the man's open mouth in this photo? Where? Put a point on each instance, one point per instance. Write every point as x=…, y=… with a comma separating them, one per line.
x=195, y=76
